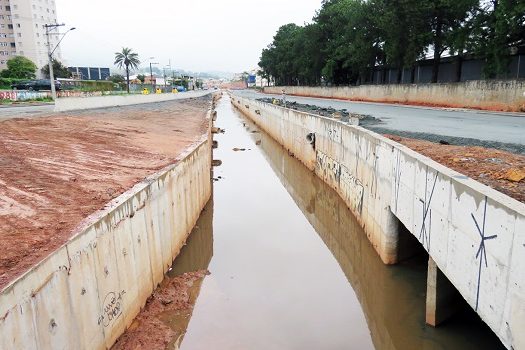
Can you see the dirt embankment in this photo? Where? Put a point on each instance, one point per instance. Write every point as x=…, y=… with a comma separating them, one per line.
x=163, y=321
x=57, y=170
x=500, y=170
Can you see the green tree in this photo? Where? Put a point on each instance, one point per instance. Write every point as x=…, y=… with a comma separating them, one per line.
x=353, y=45
x=117, y=78
x=128, y=60
x=334, y=19
x=59, y=70
x=445, y=18
x=267, y=63
x=244, y=78
x=277, y=60
x=362, y=48
x=141, y=77
x=403, y=33
x=308, y=61
x=498, y=26
x=19, y=67
x=349, y=39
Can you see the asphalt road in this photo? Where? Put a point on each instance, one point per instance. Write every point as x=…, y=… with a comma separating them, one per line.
x=24, y=111
x=493, y=129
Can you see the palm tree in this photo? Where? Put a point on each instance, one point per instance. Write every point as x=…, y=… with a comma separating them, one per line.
x=128, y=59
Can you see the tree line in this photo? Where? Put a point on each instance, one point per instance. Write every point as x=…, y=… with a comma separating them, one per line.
x=347, y=39
x=20, y=67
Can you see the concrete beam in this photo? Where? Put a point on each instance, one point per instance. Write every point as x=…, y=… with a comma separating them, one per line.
x=442, y=297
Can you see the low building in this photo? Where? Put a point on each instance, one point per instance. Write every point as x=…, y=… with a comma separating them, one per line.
x=90, y=73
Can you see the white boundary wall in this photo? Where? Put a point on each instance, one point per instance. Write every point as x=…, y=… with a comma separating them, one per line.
x=86, y=293
x=65, y=104
x=506, y=95
x=381, y=180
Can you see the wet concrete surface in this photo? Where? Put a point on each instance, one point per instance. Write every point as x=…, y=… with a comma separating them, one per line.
x=492, y=128
x=291, y=268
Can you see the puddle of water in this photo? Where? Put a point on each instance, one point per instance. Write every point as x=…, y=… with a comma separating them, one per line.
x=291, y=268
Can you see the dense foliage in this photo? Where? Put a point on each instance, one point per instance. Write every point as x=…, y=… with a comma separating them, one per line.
x=6, y=83
x=59, y=70
x=19, y=67
x=117, y=78
x=348, y=38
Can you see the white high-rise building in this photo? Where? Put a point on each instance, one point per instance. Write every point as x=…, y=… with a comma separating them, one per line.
x=23, y=32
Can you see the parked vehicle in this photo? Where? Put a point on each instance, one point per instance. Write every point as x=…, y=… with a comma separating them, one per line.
x=35, y=85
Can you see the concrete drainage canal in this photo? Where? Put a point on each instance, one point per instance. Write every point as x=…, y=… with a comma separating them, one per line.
x=277, y=261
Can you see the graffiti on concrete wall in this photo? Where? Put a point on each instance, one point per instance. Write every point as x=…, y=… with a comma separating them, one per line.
x=112, y=308
x=333, y=133
x=351, y=189
x=22, y=95
x=80, y=93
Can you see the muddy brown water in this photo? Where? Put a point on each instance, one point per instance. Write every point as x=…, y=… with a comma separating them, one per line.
x=291, y=268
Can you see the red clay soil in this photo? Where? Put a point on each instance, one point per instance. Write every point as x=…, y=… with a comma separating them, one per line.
x=57, y=170
x=163, y=322
x=500, y=170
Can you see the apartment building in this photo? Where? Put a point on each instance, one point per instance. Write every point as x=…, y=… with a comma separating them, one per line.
x=23, y=32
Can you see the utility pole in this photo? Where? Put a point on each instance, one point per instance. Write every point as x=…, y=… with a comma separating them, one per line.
x=164, y=71
x=151, y=74
x=50, y=55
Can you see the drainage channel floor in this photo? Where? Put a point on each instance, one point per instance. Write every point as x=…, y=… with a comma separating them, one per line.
x=291, y=269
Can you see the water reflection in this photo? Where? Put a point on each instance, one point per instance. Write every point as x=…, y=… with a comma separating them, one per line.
x=273, y=283
x=194, y=256
x=392, y=297
x=198, y=251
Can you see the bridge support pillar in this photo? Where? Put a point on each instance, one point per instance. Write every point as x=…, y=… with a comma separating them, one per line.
x=442, y=296
x=407, y=244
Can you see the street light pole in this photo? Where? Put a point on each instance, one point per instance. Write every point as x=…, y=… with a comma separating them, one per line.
x=165, y=76
x=151, y=74
x=50, y=55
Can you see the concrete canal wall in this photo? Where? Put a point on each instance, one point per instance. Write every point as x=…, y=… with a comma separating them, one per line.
x=474, y=234
x=79, y=103
x=85, y=294
x=505, y=95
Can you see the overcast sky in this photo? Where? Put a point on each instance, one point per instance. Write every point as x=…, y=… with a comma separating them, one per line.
x=197, y=35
